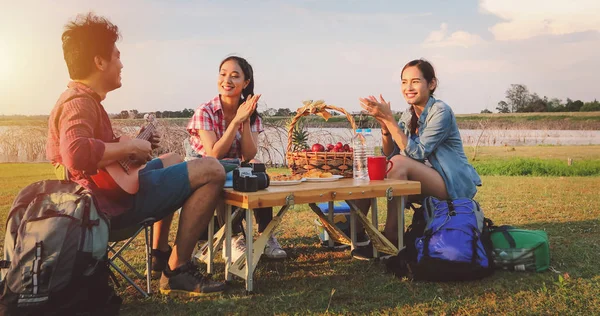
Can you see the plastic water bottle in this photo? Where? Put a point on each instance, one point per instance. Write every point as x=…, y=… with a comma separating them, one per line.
x=359, y=147
x=370, y=143
x=378, y=146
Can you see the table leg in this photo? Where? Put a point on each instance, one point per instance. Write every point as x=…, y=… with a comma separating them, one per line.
x=216, y=240
x=249, y=250
x=334, y=232
x=352, y=230
x=374, y=221
x=227, y=249
x=330, y=216
x=379, y=241
x=400, y=207
x=245, y=265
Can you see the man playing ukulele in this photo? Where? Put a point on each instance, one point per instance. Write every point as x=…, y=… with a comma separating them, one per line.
x=80, y=138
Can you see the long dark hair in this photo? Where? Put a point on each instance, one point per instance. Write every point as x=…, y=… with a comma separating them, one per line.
x=248, y=75
x=429, y=74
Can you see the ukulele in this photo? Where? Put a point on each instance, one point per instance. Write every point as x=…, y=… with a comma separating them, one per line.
x=122, y=175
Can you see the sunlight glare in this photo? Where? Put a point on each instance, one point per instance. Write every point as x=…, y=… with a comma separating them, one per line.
x=5, y=63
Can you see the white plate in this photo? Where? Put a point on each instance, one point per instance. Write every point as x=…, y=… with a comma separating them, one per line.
x=291, y=182
x=335, y=177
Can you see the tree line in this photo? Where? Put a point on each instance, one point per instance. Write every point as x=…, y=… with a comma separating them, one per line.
x=518, y=99
x=135, y=114
x=187, y=113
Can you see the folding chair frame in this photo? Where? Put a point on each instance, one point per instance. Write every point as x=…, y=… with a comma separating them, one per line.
x=147, y=227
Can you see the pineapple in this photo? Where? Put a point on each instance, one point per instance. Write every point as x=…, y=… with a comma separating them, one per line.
x=299, y=138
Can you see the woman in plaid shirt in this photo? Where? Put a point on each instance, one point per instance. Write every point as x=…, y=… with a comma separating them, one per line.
x=227, y=127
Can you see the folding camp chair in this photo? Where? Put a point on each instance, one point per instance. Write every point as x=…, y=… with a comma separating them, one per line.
x=126, y=236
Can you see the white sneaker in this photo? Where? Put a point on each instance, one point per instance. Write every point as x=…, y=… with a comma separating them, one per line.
x=273, y=249
x=238, y=247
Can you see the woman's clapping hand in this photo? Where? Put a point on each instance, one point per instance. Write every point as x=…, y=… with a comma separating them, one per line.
x=379, y=109
x=247, y=108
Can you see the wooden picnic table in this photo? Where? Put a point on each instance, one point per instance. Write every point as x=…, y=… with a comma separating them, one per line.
x=308, y=193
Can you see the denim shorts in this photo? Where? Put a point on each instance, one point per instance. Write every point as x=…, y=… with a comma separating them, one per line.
x=162, y=191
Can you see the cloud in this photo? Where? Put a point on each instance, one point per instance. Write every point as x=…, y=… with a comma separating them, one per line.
x=526, y=19
x=440, y=38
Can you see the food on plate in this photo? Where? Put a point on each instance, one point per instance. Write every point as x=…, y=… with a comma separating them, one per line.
x=285, y=177
x=314, y=173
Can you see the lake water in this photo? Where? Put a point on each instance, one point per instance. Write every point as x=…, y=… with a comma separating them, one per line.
x=277, y=139
x=488, y=137
x=274, y=141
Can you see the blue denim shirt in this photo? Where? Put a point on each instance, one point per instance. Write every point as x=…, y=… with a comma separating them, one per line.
x=439, y=141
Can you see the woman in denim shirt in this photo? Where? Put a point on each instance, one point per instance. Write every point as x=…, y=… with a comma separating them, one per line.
x=424, y=145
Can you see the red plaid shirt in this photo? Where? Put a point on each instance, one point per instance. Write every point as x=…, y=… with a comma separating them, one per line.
x=209, y=117
x=78, y=127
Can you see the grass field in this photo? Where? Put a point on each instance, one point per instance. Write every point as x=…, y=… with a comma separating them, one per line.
x=315, y=281
x=536, y=160
x=544, y=152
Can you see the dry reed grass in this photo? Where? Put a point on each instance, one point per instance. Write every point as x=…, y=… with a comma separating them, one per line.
x=26, y=143
x=23, y=144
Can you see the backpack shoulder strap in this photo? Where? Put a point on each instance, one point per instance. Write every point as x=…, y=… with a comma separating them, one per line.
x=27, y=194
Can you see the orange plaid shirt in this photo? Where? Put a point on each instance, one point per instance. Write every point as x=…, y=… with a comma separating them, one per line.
x=78, y=127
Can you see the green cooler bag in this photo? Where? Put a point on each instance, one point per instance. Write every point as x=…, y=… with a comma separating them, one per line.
x=520, y=249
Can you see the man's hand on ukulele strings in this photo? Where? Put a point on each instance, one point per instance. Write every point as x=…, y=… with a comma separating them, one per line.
x=141, y=151
x=155, y=140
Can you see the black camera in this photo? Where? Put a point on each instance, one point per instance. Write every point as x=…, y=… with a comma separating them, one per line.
x=250, y=177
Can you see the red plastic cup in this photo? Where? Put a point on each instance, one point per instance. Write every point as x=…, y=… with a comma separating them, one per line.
x=376, y=167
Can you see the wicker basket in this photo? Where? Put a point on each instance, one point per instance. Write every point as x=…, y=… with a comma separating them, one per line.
x=338, y=163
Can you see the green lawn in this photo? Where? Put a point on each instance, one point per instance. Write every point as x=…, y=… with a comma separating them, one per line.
x=316, y=281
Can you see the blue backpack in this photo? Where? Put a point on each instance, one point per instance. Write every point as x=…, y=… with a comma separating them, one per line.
x=456, y=242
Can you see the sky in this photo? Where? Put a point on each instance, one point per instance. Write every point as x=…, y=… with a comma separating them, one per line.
x=333, y=50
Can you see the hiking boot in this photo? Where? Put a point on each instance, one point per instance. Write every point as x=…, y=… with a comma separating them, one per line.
x=188, y=281
x=159, y=262
x=273, y=249
x=362, y=239
x=366, y=253
x=238, y=247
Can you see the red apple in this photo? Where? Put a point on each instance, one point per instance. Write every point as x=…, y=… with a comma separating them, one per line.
x=346, y=147
x=339, y=145
x=329, y=147
x=317, y=147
